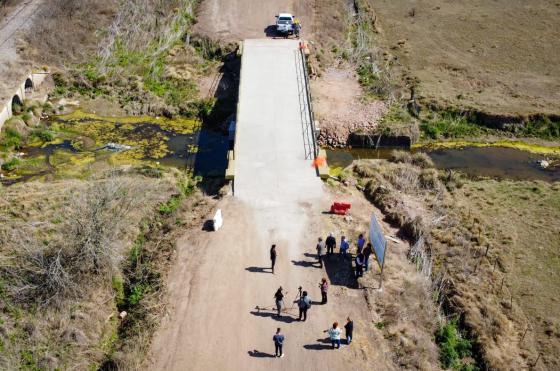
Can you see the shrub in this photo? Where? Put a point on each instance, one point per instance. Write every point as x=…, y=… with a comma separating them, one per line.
x=118, y=288
x=11, y=164
x=453, y=346
x=452, y=180
x=400, y=156
x=364, y=171
x=43, y=135
x=429, y=178
x=11, y=139
x=422, y=160
x=27, y=117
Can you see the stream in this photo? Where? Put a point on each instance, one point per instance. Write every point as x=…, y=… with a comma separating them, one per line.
x=476, y=162
x=82, y=141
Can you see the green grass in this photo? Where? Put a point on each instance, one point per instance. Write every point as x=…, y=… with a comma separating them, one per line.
x=42, y=135
x=118, y=288
x=10, y=139
x=449, y=125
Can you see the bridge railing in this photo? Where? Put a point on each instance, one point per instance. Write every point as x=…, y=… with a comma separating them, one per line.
x=306, y=107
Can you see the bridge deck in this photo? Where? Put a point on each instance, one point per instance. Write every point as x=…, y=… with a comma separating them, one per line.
x=270, y=155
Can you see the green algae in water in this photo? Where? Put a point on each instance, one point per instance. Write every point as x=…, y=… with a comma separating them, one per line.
x=148, y=136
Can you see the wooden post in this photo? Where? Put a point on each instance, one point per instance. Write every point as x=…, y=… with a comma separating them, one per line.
x=537, y=360
x=524, y=333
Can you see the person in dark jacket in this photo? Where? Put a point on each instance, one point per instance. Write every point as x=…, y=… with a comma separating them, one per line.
x=304, y=303
x=349, y=327
x=360, y=265
x=272, y=257
x=367, y=252
x=279, y=299
x=331, y=244
x=278, y=339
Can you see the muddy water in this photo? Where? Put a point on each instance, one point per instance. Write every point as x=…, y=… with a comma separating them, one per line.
x=492, y=162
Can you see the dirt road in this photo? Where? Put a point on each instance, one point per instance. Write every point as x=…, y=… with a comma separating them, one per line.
x=11, y=27
x=234, y=20
x=222, y=276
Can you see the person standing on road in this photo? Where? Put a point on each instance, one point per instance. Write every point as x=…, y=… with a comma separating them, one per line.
x=304, y=303
x=331, y=244
x=297, y=27
x=272, y=257
x=334, y=335
x=361, y=242
x=360, y=265
x=320, y=251
x=279, y=299
x=367, y=252
x=349, y=327
x=324, y=286
x=278, y=339
x=344, y=246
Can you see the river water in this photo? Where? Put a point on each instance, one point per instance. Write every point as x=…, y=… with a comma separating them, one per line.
x=491, y=162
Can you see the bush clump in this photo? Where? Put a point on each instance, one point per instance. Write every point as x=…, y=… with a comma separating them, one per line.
x=11, y=165
x=454, y=347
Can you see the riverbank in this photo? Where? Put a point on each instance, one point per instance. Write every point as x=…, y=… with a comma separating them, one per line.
x=462, y=237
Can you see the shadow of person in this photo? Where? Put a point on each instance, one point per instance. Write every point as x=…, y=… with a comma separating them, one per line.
x=282, y=318
x=305, y=264
x=270, y=31
x=259, y=269
x=259, y=354
x=323, y=344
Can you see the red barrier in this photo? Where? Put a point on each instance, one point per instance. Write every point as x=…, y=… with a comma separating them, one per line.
x=340, y=208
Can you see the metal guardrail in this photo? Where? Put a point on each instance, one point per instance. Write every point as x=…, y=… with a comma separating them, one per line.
x=306, y=108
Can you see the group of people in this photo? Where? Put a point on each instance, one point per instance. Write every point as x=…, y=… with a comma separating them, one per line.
x=363, y=251
x=335, y=334
x=303, y=300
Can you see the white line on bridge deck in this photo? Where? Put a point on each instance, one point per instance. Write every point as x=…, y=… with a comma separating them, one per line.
x=270, y=165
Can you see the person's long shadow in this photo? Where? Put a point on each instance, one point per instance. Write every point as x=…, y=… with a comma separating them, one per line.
x=259, y=354
x=322, y=344
x=259, y=269
x=282, y=318
x=305, y=263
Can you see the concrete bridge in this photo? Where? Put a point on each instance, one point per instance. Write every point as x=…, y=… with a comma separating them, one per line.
x=23, y=91
x=275, y=145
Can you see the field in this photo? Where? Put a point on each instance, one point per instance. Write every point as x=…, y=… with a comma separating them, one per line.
x=522, y=218
x=497, y=57
x=491, y=249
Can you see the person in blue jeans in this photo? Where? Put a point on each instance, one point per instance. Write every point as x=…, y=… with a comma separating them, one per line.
x=349, y=327
x=278, y=339
x=334, y=335
x=344, y=246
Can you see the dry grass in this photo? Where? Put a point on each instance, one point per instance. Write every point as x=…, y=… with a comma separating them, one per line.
x=490, y=56
x=453, y=223
x=60, y=244
x=403, y=315
x=67, y=32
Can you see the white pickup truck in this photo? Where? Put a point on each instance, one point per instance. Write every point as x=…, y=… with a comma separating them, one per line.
x=285, y=24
